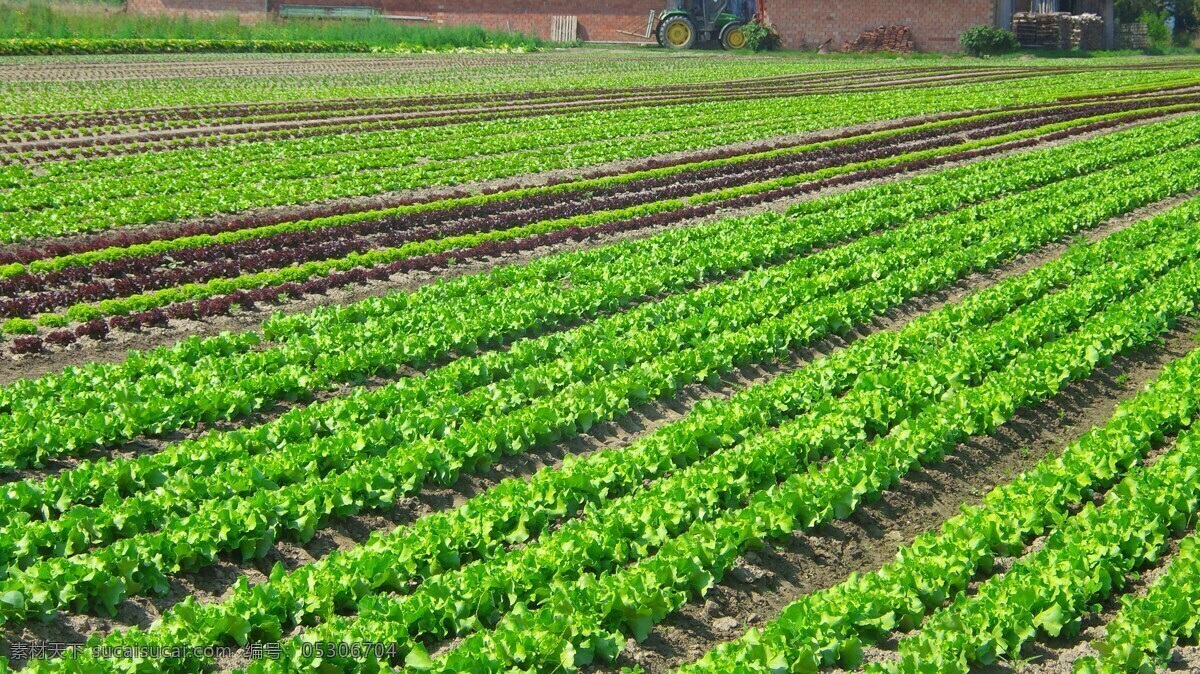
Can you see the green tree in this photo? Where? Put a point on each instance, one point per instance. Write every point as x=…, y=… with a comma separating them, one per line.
x=1185, y=12
x=1131, y=11
x=1187, y=16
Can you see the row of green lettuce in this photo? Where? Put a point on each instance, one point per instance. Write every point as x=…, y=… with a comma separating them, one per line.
x=299, y=273
x=230, y=376
x=809, y=297
x=817, y=467
x=830, y=626
x=995, y=240
x=91, y=194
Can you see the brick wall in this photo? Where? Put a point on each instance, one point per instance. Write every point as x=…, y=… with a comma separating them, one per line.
x=598, y=21
x=935, y=24
x=248, y=11
x=803, y=24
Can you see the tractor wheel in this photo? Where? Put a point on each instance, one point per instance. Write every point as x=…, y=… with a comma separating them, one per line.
x=678, y=32
x=658, y=35
x=732, y=36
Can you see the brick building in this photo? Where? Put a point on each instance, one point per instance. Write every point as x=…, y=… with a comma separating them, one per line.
x=247, y=10
x=935, y=24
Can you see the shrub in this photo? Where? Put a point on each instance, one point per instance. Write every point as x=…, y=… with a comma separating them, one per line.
x=761, y=37
x=988, y=40
x=19, y=326
x=1157, y=30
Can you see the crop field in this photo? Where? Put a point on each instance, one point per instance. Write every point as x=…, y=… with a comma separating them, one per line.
x=599, y=360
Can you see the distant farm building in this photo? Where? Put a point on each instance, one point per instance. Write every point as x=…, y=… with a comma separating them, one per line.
x=934, y=24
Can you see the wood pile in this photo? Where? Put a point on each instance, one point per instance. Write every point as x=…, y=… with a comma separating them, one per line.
x=1087, y=32
x=1045, y=31
x=1133, y=36
x=1059, y=30
x=894, y=39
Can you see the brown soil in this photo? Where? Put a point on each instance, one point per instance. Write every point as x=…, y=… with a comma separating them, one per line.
x=766, y=581
x=1185, y=658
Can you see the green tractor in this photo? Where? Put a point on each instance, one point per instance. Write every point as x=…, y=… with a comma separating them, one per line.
x=686, y=23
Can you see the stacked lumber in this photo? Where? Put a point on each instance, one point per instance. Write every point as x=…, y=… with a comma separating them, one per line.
x=1046, y=31
x=1133, y=36
x=1059, y=30
x=894, y=39
x=1087, y=32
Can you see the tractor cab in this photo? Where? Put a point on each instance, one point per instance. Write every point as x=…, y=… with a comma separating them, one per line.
x=687, y=22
